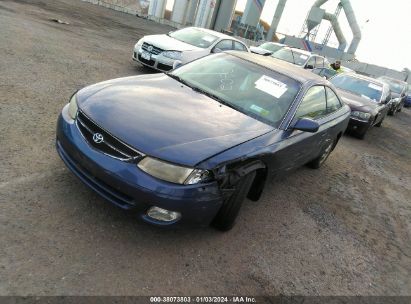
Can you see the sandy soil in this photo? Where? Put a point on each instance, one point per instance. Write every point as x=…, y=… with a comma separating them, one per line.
x=341, y=230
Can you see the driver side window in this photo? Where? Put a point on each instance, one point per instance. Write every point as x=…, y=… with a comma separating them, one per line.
x=314, y=104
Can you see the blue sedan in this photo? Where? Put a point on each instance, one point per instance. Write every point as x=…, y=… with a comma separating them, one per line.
x=187, y=147
x=407, y=102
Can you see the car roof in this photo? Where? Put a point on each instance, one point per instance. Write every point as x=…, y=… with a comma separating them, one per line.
x=218, y=34
x=283, y=67
x=302, y=51
x=275, y=43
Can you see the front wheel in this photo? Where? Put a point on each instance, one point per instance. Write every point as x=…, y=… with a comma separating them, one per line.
x=392, y=111
x=228, y=212
x=380, y=123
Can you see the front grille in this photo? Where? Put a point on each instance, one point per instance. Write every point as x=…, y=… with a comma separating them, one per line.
x=110, y=145
x=155, y=50
x=148, y=62
x=164, y=67
x=113, y=195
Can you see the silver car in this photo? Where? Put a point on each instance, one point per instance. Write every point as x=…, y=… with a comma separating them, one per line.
x=267, y=48
x=165, y=52
x=301, y=58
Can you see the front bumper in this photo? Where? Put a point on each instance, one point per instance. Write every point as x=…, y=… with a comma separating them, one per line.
x=157, y=62
x=126, y=186
x=358, y=126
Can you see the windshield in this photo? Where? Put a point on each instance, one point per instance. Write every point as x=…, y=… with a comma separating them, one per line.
x=358, y=86
x=194, y=37
x=291, y=56
x=271, y=47
x=396, y=87
x=249, y=88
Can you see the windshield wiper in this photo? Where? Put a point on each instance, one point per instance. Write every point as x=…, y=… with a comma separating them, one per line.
x=215, y=97
x=178, y=78
x=201, y=91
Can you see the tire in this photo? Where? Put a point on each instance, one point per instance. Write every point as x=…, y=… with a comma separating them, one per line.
x=380, y=123
x=226, y=216
x=360, y=135
x=320, y=160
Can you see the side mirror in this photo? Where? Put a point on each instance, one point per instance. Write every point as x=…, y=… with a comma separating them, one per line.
x=306, y=125
x=177, y=64
x=388, y=99
x=309, y=67
x=216, y=50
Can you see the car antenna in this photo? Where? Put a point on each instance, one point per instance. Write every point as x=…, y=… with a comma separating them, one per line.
x=292, y=53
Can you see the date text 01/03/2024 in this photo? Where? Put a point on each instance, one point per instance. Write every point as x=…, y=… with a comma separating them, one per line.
x=203, y=299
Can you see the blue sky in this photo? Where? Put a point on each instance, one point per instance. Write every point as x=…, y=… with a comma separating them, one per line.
x=386, y=37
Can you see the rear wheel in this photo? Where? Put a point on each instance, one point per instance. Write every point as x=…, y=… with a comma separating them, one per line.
x=228, y=212
x=320, y=160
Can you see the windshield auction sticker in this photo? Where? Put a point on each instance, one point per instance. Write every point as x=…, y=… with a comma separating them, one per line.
x=374, y=86
x=271, y=86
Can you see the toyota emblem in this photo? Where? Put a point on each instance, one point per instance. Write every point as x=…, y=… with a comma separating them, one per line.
x=150, y=49
x=98, y=138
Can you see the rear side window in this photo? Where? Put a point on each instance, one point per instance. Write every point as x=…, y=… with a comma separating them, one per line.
x=239, y=46
x=319, y=62
x=225, y=45
x=311, y=62
x=314, y=103
x=333, y=103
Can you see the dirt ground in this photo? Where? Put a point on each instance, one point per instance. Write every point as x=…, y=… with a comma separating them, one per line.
x=342, y=230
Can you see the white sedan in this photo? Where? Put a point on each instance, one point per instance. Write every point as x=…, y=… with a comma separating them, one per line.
x=267, y=48
x=165, y=52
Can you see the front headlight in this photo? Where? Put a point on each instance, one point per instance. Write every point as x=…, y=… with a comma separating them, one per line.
x=173, y=173
x=73, y=108
x=361, y=115
x=172, y=55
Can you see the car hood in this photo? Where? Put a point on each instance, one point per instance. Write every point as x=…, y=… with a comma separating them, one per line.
x=168, y=43
x=162, y=118
x=356, y=102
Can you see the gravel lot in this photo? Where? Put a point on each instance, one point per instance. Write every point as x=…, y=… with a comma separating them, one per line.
x=342, y=230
